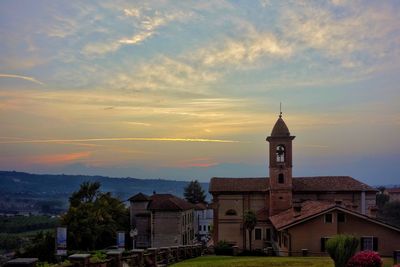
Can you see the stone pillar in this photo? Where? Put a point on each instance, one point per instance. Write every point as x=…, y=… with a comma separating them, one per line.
x=79, y=260
x=116, y=257
x=153, y=256
x=22, y=262
x=304, y=252
x=182, y=254
x=166, y=251
x=139, y=253
x=175, y=253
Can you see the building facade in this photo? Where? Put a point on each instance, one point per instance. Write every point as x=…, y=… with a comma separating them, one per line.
x=161, y=220
x=203, y=219
x=295, y=213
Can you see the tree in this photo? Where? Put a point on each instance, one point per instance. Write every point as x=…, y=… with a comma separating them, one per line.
x=341, y=248
x=250, y=221
x=194, y=193
x=381, y=198
x=93, y=218
x=391, y=213
x=42, y=246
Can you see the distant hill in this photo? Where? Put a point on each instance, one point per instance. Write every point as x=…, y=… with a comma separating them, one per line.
x=12, y=182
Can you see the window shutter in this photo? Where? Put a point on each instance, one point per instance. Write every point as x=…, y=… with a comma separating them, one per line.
x=322, y=244
x=375, y=244
x=362, y=243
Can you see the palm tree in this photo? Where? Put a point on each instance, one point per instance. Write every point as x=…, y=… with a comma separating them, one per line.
x=250, y=221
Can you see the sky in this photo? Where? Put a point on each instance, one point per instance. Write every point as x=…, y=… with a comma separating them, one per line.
x=190, y=89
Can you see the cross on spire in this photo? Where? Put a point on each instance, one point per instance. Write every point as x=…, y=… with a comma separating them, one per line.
x=280, y=109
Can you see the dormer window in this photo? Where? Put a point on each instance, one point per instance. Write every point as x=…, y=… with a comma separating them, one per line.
x=280, y=153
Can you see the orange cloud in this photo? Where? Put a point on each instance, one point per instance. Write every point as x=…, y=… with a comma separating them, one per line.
x=196, y=162
x=54, y=159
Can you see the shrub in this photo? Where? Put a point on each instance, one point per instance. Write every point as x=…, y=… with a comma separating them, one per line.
x=365, y=259
x=98, y=256
x=341, y=248
x=223, y=248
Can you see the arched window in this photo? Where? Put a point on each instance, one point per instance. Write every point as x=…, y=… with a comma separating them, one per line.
x=280, y=153
x=231, y=212
x=281, y=178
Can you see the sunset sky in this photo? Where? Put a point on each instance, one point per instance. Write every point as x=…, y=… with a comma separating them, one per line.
x=190, y=89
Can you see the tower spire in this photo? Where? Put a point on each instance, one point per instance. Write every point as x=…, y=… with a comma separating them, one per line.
x=280, y=109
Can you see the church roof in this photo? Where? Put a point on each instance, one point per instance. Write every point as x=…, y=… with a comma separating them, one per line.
x=238, y=184
x=329, y=183
x=168, y=202
x=300, y=184
x=280, y=129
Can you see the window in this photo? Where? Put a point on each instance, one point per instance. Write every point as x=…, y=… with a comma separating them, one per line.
x=231, y=212
x=328, y=218
x=281, y=178
x=268, y=234
x=285, y=241
x=341, y=217
x=204, y=228
x=257, y=234
x=199, y=228
x=323, y=243
x=209, y=228
x=280, y=153
x=369, y=243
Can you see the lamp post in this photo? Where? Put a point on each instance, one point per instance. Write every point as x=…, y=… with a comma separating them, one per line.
x=133, y=233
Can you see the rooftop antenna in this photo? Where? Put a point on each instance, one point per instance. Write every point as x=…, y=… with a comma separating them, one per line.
x=280, y=109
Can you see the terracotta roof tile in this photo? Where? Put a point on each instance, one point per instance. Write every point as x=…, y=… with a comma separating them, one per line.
x=217, y=184
x=139, y=197
x=168, y=202
x=261, y=184
x=329, y=183
x=393, y=190
x=308, y=208
x=280, y=128
x=200, y=206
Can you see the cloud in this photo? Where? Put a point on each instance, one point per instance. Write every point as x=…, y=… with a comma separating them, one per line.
x=356, y=36
x=26, y=78
x=245, y=51
x=54, y=159
x=146, y=25
x=164, y=73
x=120, y=139
x=194, y=163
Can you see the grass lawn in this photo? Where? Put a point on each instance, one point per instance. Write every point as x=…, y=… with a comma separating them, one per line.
x=218, y=261
x=210, y=261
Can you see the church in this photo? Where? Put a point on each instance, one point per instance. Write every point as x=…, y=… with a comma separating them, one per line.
x=296, y=214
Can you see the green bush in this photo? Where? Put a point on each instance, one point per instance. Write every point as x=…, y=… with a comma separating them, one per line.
x=341, y=248
x=98, y=256
x=223, y=248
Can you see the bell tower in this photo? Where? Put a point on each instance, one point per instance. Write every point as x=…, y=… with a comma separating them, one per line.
x=280, y=167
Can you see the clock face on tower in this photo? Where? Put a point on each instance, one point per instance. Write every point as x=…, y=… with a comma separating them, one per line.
x=280, y=153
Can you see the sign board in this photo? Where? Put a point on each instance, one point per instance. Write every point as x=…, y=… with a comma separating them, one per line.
x=121, y=240
x=61, y=241
x=133, y=232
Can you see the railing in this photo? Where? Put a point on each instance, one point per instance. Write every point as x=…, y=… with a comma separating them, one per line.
x=151, y=257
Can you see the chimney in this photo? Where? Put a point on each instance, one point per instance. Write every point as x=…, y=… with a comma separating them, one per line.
x=296, y=209
x=372, y=211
